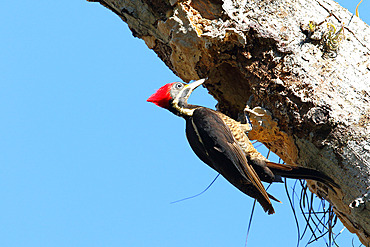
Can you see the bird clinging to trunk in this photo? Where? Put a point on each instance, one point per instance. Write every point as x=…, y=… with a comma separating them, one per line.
x=221, y=143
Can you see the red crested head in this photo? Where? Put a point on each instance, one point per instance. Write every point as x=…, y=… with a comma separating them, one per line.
x=162, y=97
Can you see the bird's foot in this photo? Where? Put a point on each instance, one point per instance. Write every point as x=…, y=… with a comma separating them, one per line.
x=247, y=109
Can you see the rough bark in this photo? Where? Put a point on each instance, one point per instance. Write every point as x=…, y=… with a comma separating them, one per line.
x=303, y=65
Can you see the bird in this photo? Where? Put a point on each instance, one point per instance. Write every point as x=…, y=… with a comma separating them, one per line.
x=221, y=143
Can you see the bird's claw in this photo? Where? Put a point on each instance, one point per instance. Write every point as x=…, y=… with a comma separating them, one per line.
x=250, y=111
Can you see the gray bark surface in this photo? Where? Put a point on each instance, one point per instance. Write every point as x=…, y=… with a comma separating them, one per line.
x=304, y=66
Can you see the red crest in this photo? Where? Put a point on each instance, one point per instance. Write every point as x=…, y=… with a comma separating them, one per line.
x=162, y=97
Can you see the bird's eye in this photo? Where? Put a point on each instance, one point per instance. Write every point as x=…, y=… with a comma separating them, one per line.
x=178, y=85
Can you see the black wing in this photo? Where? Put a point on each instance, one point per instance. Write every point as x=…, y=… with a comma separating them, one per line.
x=213, y=142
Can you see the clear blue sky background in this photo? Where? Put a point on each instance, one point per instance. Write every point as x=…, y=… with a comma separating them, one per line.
x=86, y=161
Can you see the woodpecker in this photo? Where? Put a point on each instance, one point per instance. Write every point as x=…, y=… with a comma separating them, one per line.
x=221, y=143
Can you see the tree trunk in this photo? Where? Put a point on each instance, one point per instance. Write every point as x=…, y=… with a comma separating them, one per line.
x=303, y=65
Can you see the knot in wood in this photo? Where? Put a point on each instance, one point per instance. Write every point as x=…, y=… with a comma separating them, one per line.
x=318, y=115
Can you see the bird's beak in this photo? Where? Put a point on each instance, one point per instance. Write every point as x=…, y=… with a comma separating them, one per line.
x=189, y=88
x=194, y=85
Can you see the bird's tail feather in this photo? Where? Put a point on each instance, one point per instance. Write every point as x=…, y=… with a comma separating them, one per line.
x=298, y=172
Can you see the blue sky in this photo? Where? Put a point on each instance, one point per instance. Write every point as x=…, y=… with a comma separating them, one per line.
x=86, y=161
